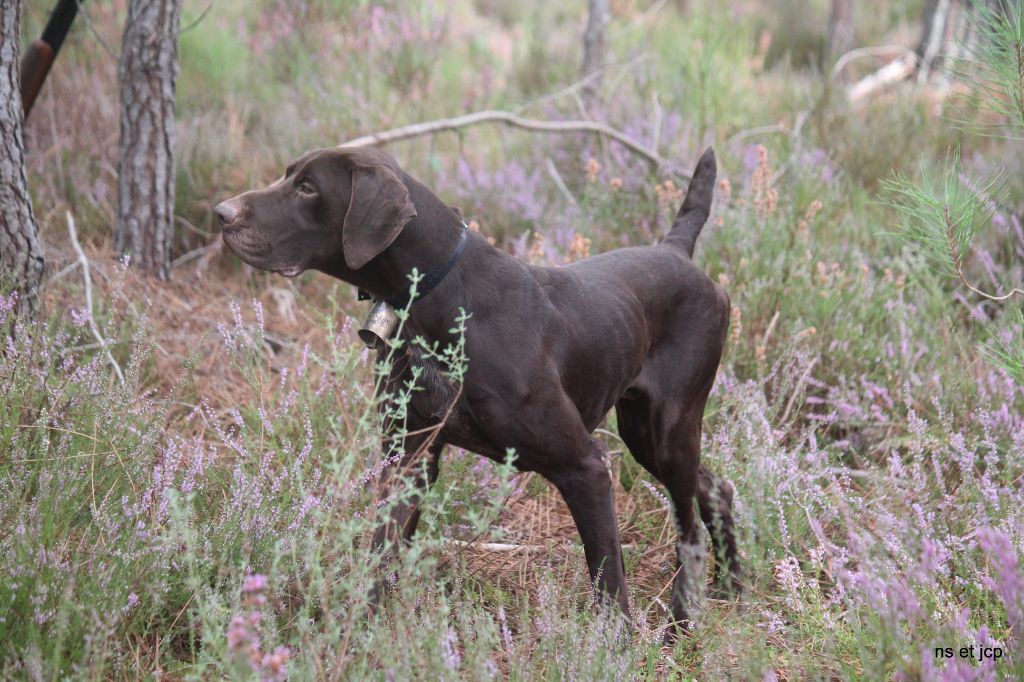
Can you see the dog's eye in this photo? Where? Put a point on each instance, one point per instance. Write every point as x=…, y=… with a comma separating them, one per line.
x=306, y=188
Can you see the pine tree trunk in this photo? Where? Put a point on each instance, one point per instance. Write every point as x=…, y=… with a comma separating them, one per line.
x=936, y=36
x=594, y=44
x=145, y=196
x=840, y=30
x=20, y=251
x=949, y=33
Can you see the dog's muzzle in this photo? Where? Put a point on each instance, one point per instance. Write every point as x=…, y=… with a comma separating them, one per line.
x=380, y=326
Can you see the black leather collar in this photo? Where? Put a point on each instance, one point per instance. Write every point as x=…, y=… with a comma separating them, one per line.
x=400, y=299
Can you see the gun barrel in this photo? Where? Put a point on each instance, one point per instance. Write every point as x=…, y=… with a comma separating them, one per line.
x=39, y=57
x=59, y=24
x=34, y=66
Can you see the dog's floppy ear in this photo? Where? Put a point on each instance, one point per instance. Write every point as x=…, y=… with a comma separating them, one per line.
x=379, y=209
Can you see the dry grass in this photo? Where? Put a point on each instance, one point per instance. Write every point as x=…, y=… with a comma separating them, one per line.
x=180, y=317
x=538, y=537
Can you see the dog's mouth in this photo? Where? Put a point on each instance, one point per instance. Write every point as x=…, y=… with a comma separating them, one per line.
x=291, y=271
x=257, y=251
x=246, y=243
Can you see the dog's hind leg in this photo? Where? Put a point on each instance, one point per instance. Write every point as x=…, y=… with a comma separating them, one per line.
x=714, y=494
x=666, y=442
x=714, y=497
x=677, y=458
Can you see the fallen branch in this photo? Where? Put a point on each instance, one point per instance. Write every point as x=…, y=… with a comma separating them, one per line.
x=657, y=161
x=494, y=546
x=87, y=278
x=506, y=547
x=861, y=52
x=893, y=72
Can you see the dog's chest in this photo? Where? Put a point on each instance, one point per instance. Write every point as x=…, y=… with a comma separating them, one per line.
x=418, y=386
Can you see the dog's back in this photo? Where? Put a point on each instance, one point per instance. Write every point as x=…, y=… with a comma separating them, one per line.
x=611, y=312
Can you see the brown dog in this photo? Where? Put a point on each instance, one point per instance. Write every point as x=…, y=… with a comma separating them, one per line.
x=550, y=350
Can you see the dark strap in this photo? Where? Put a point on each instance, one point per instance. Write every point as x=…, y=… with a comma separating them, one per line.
x=401, y=300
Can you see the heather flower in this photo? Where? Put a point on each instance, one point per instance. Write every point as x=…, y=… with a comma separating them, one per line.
x=258, y=307
x=724, y=190
x=506, y=633
x=240, y=639
x=790, y=579
x=578, y=249
x=771, y=622
x=1008, y=583
x=765, y=196
x=669, y=196
x=735, y=324
x=254, y=583
x=80, y=317
x=537, y=252
x=658, y=495
x=450, y=650
x=275, y=665
x=8, y=303
x=243, y=633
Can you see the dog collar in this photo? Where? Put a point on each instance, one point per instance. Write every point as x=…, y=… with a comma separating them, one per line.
x=400, y=299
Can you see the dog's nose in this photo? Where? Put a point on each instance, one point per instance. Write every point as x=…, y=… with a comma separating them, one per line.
x=228, y=211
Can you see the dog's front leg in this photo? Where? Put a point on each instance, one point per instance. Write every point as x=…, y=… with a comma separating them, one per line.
x=419, y=466
x=587, y=491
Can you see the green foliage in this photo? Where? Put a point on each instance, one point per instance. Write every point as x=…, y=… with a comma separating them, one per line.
x=1005, y=348
x=941, y=215
x=995, y=66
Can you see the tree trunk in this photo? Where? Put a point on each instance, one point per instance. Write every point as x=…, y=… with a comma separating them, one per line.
x=840, y=30
x=936, y=36
x=20, y=252
x=594, y=45
x=145, y=192
x=948, y=34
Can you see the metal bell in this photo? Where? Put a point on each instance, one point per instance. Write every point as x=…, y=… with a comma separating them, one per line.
x=380, y=326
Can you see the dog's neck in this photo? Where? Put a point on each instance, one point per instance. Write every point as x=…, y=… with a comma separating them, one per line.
x=426, y=242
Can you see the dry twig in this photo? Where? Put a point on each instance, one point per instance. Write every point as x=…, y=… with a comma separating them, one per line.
x=87, y=278
x=658, y=162
x=958, y=264
x=893, y=72
x=861, y=52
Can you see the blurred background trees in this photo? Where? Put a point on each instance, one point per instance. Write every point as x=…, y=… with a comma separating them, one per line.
x=144, y=219
x=20, y=251
x=594, y=45
x=148, y=72
x=840, y=30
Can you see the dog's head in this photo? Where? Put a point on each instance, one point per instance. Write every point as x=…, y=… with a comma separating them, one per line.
x=331, y=203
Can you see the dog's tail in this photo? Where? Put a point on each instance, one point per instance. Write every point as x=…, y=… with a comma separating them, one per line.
x=697, y=206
